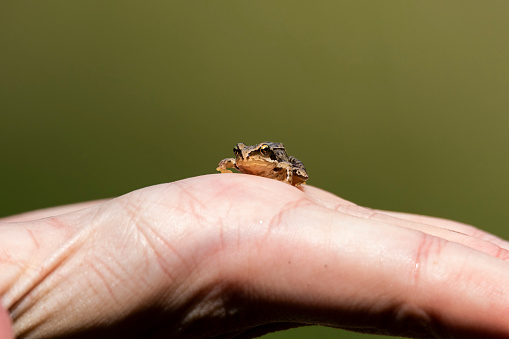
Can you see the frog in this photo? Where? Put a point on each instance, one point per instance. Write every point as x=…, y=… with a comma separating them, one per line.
x=266, y=159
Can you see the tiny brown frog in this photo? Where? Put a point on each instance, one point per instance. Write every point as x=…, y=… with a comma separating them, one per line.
x=267, y=159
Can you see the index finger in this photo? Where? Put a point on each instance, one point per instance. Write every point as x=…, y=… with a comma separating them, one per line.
x=447, y=229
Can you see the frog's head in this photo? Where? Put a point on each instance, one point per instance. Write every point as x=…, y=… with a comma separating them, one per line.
x=265, y=151
x=259, y=158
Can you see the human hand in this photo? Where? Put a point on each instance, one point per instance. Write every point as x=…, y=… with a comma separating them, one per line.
x=232, y=255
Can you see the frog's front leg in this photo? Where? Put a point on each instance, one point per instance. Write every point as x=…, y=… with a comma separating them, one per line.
x=225, y=164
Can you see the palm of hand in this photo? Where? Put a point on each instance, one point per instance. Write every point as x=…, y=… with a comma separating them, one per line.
x=238, y=255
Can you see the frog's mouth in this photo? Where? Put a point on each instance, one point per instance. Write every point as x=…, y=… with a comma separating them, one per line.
x=255, y=166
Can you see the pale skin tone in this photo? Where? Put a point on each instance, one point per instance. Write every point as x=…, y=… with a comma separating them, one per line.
x=236, y=256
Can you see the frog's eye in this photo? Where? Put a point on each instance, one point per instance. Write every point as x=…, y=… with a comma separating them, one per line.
x=265, y=150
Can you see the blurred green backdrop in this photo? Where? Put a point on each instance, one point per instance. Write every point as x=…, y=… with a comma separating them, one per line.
x=399, y=105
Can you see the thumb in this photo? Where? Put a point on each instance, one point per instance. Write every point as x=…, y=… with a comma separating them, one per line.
x=5, y=325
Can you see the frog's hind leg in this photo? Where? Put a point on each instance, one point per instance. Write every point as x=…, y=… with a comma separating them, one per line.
x=289, y=175
x=286, y=168
x=225, y=164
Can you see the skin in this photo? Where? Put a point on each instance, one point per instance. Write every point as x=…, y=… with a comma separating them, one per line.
x=237, y=256
x=5, y=325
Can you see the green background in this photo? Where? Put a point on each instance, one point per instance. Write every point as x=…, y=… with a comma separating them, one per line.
x=398, y=105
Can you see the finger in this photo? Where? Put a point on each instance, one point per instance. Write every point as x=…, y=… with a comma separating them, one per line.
x=324, y=198
x=400, y=280
x=460, y=233
x=451, y=225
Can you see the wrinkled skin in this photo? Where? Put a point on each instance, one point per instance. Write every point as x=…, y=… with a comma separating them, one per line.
x=232, y=255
